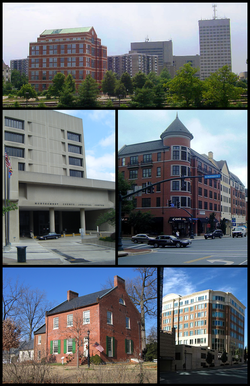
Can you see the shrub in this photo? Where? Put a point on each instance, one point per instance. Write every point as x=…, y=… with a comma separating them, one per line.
x=96, y=360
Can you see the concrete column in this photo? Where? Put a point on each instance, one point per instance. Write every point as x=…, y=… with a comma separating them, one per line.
x=60, y=222
x=51, y=219
x=82, y=219
x=31, y=221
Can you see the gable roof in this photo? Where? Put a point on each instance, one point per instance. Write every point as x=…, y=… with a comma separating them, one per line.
x=81, y=301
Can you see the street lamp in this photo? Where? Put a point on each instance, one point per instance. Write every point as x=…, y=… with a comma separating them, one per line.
x=88, y=332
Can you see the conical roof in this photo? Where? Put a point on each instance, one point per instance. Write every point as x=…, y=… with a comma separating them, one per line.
x=176, y=128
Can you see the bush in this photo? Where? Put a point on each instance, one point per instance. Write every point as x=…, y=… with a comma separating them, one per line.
x=96, y=360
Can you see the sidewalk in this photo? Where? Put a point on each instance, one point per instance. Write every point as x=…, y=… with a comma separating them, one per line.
x=64, y=251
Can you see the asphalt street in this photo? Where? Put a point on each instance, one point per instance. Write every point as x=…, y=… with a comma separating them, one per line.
x=229, y=376
x=224, y=251
x=63, y=251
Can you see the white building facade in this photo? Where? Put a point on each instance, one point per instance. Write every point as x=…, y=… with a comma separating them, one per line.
x=49, y=181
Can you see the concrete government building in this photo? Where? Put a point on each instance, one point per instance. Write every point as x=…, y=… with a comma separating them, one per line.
x=49, y=181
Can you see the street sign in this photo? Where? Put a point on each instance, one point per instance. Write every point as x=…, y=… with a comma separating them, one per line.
x=212, y=176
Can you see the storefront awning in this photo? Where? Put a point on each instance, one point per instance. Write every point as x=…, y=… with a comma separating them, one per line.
x=178, y=219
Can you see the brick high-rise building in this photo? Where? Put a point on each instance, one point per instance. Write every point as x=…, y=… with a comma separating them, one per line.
x=180, y=205
x=75, y=51
x=206, y=318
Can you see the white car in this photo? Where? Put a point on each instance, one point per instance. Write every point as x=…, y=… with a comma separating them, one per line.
x=239, y=232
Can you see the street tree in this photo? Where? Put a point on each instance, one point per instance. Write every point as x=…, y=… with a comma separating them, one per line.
x=11, y=335
x=57, y=85
x=11, y=295
x=9, y=206
x=108, y=217
x=31, y=308
x=185, y=89
x=220, y=88
x=142, y=290
x=88, y=92
x=140, y=222
x=139, y=80
x=127, y=81
x=27, y=91
x=109, y=83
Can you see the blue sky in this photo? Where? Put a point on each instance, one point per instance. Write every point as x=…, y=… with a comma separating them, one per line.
x=99, y=142
x=184, y=281
x=224, y=132
x=118, y=24
x=57, y=281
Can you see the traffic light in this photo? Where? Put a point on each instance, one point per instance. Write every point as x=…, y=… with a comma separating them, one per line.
x=150, y=189
x=169, y=203
x=178, y=204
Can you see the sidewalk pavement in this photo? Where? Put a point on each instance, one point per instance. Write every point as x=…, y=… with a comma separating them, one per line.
x=80, y=254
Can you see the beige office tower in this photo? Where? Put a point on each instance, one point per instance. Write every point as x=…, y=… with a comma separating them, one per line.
x=212, y=319
x=215, y=46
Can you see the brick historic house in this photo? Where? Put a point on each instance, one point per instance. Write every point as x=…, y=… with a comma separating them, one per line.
x=106, y=323
x=182, y=203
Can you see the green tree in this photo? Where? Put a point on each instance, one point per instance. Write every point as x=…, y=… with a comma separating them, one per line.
x=140, y=222
x=153, y=78
x=9, y=206
x=220, y=88
x=109, y=83
x=27, y=91
x=224, y=357
x=127, y=81
x=211, y=221
x=143, y=97
x=185, y=89
x=18, y=79
x=209, y=358
x=123, y=187
x=108, y=217
x=58, y=82
x=120, y=90
x=88, y=92
x=151, y=352
x=139, y=80
x=67, y=98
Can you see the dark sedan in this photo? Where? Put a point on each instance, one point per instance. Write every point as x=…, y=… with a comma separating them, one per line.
x=51, y=235
x=140, y=238
x=172, y=241
x=212, y=235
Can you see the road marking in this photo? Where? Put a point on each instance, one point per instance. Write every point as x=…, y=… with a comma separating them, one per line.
x=221, y=261
x=201, y=258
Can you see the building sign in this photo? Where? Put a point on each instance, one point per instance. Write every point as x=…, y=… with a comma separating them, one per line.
x=171, y=219
x=65, y=204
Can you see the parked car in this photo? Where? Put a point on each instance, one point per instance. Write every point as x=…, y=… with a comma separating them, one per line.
x=239, y=232
x=140, y=238
x=165, y=240
x=216, y=233
x=51, y=235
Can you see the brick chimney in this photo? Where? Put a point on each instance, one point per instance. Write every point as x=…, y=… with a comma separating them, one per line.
x=71, y=295
x=210, y=155
x=119, y=282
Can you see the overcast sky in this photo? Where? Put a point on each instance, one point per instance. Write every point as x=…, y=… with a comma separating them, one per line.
x=224, y=132
x=99, y=142
x=119, y=24
x=185, y=281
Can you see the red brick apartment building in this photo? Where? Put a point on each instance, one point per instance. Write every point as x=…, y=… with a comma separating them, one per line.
x=110, y=317
x=75, y=51
x=171, y=156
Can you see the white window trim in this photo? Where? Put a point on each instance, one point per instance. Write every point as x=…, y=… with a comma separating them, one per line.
x=68, y=320
x=110, y=323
